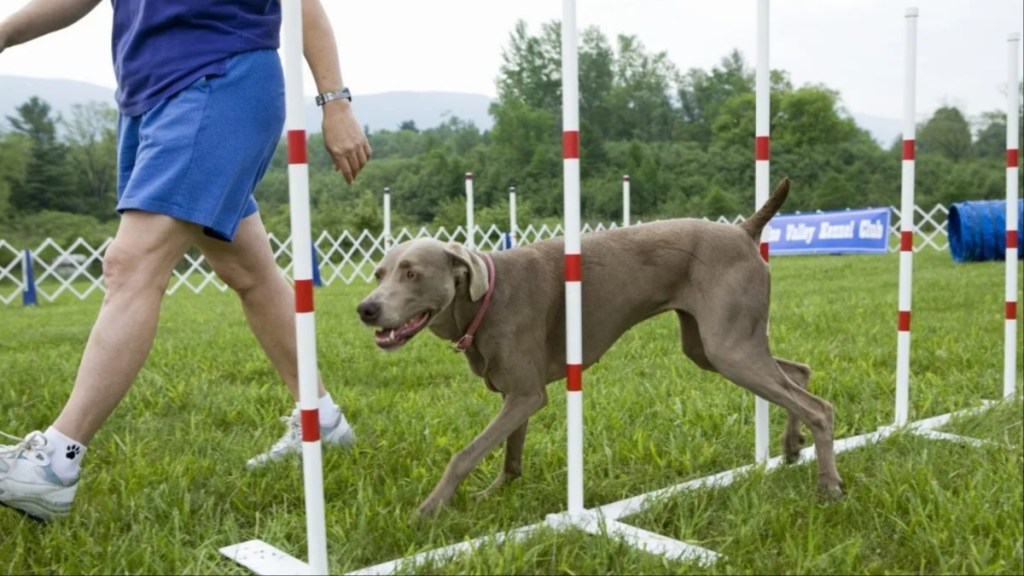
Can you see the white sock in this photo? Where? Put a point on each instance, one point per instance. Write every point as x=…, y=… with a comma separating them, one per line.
x=65, y=454
x=329, y=411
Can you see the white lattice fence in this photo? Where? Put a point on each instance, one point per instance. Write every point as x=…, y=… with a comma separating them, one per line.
x=347, y=257
x=932, y=231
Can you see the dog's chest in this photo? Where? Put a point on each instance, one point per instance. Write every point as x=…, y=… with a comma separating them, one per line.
x=478, y=364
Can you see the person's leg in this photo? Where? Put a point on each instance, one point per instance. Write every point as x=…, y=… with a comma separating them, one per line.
x=39, y=474
x=247, y=266
x=136, y=269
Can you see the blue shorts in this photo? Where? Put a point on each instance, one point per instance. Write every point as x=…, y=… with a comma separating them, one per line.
x=198, y=155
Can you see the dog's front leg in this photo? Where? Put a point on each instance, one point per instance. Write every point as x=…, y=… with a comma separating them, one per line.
x=513, y=462
x=514, y=414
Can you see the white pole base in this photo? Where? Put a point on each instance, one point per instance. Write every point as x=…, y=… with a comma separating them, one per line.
x=263, y=559
x=598, y=525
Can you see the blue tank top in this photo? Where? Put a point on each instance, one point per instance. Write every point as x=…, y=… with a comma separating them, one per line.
x=160, y=47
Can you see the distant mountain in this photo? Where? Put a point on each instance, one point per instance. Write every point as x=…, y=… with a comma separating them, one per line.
x=384, y=111
x=61, y=95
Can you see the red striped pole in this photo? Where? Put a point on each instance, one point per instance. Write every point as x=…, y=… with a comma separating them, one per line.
x=470, y=227
x=573, y=276
x=302, y=270
x=387, y=219
x=513, y=223
x=761, y=175
x=1012, y=225
x=906, y=223
x=625, y=199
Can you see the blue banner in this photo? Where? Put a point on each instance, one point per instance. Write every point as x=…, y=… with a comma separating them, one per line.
x=843, y=232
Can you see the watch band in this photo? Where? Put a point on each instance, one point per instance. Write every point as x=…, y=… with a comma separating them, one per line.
x=326, y=97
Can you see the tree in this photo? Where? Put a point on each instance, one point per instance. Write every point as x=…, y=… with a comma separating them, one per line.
x=47, y=183
x=991, y=140
x=810, y=116
x=702, y=94
x=14, y=154
x=531, y=68
x=639, y=100
x=92, y=139
x=946, y=133
x=834, y=193
x=596, y=77
x=525, y=146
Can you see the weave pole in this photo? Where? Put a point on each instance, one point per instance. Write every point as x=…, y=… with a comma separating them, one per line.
x=573, y=272
x=1012, y=225
x=513, y=224
x=256, y=555
x=906, y=222
x=625, y=200
x=469, y=211
x=762, y=155
x=305, y=326
x=387, y=219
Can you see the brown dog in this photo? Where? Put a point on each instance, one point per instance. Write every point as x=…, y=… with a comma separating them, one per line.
x=711, y=275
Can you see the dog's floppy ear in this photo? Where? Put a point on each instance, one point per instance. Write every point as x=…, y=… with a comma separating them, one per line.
x=474, y=265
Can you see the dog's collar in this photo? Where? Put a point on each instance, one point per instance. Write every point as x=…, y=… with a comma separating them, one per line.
x=463, y=344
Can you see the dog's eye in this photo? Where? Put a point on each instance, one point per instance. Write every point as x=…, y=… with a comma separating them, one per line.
x=410, y=274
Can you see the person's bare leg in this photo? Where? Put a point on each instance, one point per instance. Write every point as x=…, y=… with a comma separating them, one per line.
x=136, y=269
x=247, y=266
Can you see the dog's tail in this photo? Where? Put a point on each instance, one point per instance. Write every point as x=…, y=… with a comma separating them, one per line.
x=757, y=222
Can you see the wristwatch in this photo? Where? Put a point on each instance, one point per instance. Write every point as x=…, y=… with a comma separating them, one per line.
x=326, y=97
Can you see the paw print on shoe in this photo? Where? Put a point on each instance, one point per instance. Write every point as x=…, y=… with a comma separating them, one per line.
x=73, y=450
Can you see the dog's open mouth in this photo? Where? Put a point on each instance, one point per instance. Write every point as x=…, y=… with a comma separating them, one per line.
x=389, y=338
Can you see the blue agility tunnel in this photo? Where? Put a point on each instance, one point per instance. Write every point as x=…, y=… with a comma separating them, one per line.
x=977, y=230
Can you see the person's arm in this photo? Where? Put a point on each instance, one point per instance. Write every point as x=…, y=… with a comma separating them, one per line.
x=343, y=136
x=41, y=17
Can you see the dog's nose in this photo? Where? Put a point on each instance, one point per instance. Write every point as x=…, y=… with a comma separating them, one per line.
x=368, y=311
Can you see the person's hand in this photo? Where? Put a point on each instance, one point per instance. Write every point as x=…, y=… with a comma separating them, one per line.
x=344, y=139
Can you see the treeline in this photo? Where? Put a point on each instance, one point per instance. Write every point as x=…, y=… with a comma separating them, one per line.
x=686, y=139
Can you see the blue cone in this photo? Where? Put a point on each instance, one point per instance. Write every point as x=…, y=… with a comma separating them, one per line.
x=28, y=297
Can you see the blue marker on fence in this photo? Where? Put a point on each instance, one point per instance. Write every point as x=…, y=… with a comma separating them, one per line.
x=316, y=269
x=28, y=296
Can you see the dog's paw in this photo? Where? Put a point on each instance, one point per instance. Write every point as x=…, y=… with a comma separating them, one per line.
x=429, y=508
x=486, y=492
x=500, y=482
x=791, y=445
x=832, y=491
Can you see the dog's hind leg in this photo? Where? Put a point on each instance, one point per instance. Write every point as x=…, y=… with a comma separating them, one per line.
x=514, y=414
x=748, y=363
x=692, y=346
x=513, y=467
x=793, y=439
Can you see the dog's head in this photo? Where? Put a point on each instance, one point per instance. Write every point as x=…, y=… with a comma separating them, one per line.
x=416, y=282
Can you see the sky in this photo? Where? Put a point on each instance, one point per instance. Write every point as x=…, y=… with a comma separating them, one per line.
x=853, y=46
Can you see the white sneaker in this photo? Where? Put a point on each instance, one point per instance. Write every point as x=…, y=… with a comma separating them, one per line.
x=27, y=481
x=340, y=434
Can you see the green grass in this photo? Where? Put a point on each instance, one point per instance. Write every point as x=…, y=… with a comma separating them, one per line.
x=165, y=487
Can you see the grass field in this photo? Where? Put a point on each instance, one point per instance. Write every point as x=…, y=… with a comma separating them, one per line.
x=164, y=484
